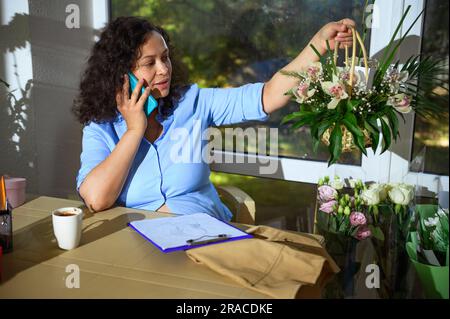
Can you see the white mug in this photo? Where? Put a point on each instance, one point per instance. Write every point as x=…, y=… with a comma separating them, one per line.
x=67, y=229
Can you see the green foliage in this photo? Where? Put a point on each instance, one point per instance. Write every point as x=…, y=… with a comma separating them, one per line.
x=431, y=73
x=368, y=112
x=219, y=39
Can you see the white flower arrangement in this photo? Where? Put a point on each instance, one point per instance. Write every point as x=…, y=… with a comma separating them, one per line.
x=432, y=243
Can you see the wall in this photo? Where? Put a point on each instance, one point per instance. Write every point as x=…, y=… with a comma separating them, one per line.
x=42, y=59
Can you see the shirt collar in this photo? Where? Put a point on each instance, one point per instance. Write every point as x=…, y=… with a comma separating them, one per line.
x=120, y=124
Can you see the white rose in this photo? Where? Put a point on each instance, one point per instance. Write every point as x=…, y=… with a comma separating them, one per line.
x=352, y=182
x=409, y=186
x=337, y=184
x=371, y=196
x=401, y=194
x=381, y=188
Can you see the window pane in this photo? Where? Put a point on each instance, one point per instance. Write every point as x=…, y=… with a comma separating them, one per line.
x=230, y=43
x=290, y=207
x=433, y=133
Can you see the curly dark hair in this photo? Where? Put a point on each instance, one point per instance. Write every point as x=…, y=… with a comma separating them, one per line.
x=112, y=56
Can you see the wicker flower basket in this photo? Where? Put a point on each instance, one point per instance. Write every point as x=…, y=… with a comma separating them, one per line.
x=348, y=144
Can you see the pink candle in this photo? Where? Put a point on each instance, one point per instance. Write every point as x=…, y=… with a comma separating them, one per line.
x=15, y=190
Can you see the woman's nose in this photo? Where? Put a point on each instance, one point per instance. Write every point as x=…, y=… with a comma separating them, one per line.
x=162, y=68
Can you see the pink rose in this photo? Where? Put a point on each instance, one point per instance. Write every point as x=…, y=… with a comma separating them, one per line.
x=363, y=232
x=328, y=206
x=327, y=193
x=357, y=219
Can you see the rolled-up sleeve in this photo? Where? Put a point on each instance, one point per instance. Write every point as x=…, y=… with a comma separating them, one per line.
x=94, y=151
x=226, y=106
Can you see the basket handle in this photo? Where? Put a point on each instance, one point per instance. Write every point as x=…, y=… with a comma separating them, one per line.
x=355, y=37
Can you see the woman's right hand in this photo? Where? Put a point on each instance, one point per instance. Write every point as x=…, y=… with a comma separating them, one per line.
x=132, y=108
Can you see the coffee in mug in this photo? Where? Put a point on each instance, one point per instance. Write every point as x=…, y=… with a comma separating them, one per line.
x=67, y=225
x=65, y=213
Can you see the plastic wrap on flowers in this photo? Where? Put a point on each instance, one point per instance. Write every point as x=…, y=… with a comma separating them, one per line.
x=342, y=248
x=390, y=250
x=428, y=250
x=340, y=220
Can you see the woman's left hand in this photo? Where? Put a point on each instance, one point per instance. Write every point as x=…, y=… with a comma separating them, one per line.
x=334, y=31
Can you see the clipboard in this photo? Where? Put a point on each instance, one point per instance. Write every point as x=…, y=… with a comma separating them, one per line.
x=185, y=232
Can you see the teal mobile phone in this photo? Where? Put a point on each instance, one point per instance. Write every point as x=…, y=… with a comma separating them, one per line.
x=151, y=103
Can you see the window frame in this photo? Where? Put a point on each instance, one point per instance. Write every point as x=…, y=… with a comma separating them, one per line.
x=391, y=166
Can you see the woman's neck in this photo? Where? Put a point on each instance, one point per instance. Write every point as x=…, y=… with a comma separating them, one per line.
x=154, y=128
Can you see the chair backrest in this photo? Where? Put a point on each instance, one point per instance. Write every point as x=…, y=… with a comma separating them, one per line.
x=242, y=205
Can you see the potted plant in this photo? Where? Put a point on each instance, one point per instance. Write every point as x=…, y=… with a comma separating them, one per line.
x=351, y=108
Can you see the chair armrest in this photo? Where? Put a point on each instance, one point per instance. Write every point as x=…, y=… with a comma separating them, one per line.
x=244, y=205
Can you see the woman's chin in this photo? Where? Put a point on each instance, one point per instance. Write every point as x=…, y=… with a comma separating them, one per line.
x=165, y=93
x=157, y=94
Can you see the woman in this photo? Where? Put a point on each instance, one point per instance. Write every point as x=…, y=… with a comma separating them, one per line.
x=126, y=156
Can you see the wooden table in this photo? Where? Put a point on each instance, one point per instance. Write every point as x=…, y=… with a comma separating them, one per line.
x=114, y=261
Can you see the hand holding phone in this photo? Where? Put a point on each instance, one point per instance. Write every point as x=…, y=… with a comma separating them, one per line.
x=151, y=103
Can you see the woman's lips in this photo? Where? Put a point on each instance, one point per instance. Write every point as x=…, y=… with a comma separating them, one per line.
x=162, y=85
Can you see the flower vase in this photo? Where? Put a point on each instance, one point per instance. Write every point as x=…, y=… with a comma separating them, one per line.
x=343, y=250
x=390, y=251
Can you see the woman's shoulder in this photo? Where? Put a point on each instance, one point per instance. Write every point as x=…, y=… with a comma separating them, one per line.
x=103, y=127
x=193, y=90
x=193, y=94
x=189, y=91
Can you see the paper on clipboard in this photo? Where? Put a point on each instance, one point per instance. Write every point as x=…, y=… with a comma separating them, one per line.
x=174, y=233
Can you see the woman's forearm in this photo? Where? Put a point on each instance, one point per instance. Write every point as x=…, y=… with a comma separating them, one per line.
x=334, y=32
x=274, y=89
x=104, y=183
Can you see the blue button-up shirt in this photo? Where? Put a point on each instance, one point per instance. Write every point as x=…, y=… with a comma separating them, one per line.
x=158, y=174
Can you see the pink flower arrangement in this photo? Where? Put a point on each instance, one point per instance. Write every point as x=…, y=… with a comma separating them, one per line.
x=340, y=212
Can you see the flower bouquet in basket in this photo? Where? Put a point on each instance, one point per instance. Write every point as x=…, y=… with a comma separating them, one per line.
x=428, y=250
x=340, y=220
x=350, y=107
